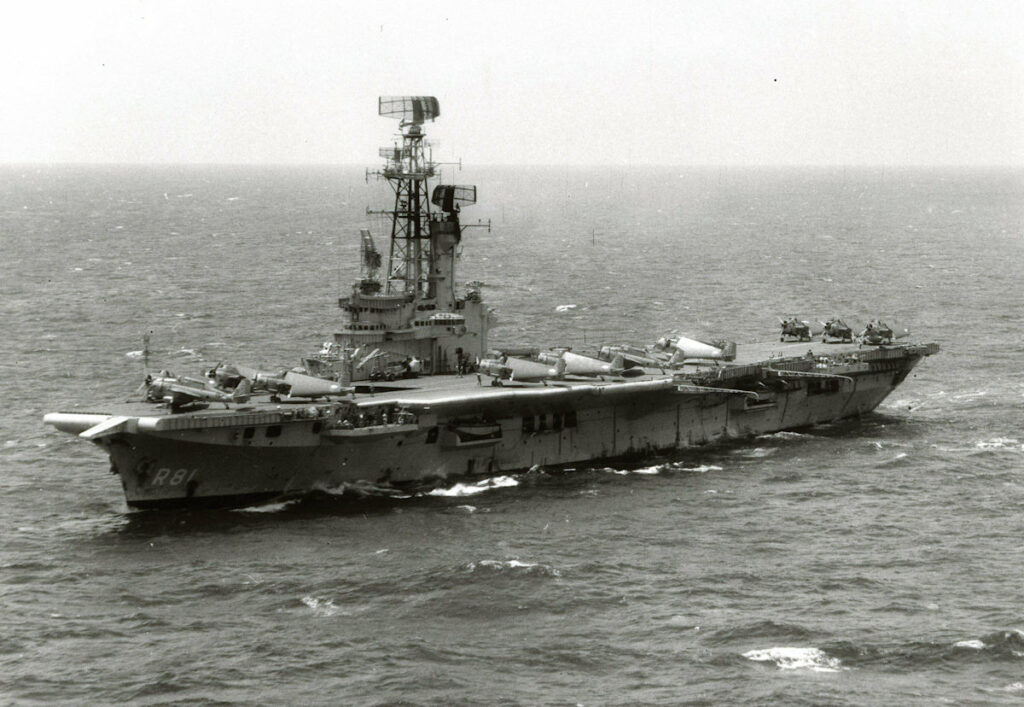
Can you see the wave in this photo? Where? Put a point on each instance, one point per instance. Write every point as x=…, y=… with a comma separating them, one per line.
x=270, y=507
x=459, y=490
x=984, y=446
x=973, y=643
x=1007, y=645
x=514, y=566
x=702, y=469
x=767, y=629
x=755, y=453
x=999, y=443
x=794, y=658
x=186, y=353
x=659, y=468
x=785, y=434
x=362, y=489
x=321, y=606
x=366, y=491
x=956, y=400
x=1000, y=644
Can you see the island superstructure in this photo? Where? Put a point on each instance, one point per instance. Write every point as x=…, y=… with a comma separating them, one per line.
x=411, y=312
x=410, y=393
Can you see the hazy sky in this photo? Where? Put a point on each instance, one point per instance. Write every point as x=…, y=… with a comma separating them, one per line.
x=708, y=83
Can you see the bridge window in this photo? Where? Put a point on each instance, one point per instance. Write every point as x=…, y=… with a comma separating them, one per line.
x=527, y=424
x=569, y=419
x=274, y=431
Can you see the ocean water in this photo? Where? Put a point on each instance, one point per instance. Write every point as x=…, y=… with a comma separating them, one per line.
x=876, y=561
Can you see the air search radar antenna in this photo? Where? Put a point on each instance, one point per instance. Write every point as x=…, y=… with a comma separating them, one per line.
x=410, y=110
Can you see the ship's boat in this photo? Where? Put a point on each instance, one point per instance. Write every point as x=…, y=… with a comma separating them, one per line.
x=420, y=349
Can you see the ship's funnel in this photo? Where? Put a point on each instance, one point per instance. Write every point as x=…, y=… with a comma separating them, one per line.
x=411, y=110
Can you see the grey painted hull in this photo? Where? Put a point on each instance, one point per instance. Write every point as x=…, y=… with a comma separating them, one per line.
x=237, y=462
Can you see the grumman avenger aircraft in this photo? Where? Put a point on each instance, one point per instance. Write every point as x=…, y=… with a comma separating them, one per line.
x=555, y=366
x=682, y=349
x=292, y=384
x=179, y=392
x=520, y=370
x=634, y=355
x=579, y=365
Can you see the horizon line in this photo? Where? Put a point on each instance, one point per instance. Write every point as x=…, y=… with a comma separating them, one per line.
x=580, y=165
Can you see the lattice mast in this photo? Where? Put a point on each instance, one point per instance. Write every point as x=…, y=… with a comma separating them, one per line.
x=408, y=167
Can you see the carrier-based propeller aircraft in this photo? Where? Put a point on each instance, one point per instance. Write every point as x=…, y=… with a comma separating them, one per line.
x=180, y=392
x=799, y=329
x=580, y=365
x=520, y=370
x=683, y=348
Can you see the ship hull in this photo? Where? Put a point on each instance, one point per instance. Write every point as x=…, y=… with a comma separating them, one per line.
x=236, y=465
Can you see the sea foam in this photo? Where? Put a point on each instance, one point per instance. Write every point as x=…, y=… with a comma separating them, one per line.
x=793, y=658
x=999, y=443
x=515, y=566
x=321, y=606
x=702, y=469
x=479, y=487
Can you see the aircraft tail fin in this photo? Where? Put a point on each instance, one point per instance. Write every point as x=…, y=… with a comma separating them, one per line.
x=243, y=391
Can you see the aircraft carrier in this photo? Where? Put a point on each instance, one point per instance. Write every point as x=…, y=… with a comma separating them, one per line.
x=409, y=393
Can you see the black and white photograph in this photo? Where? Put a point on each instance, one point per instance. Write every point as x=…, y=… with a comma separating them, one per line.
x=512, y=353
